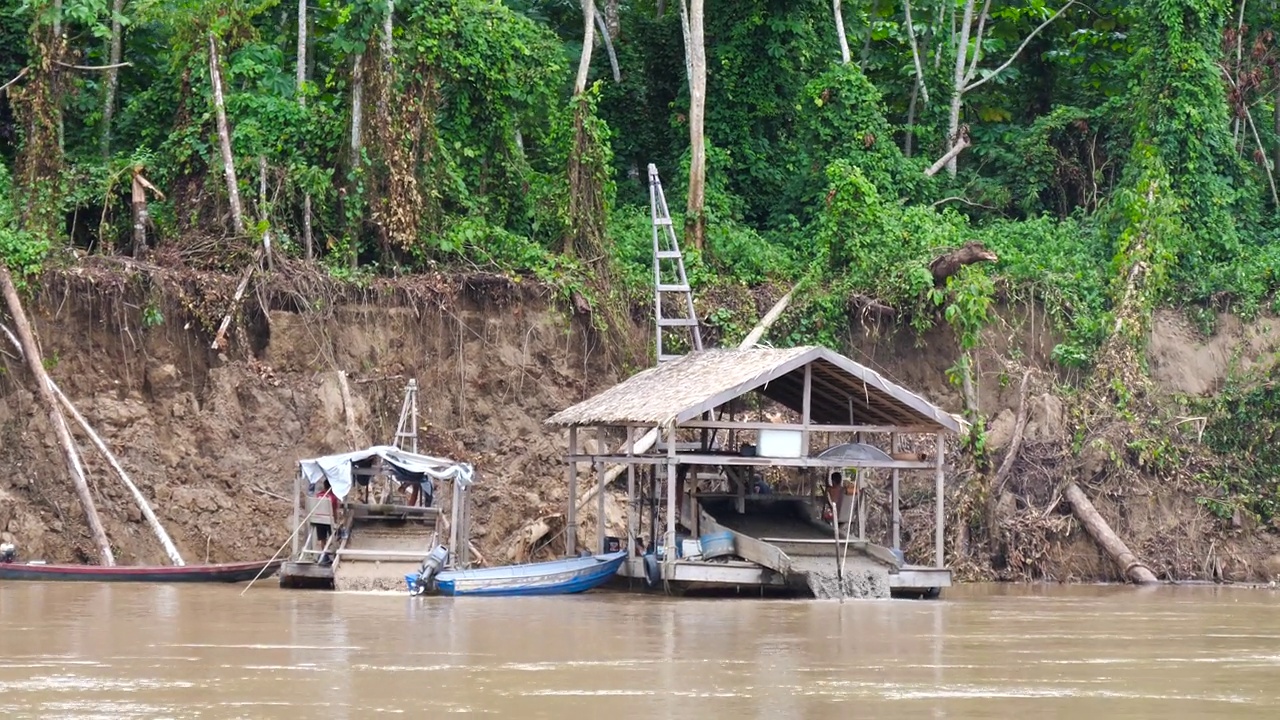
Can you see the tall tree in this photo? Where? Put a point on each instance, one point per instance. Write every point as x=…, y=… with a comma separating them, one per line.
x=696, y=54
x=968, y=53
x=301, y=80
x=224, y=136
x=114, y=54
x=844, y=40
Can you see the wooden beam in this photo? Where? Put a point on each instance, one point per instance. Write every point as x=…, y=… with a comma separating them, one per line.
x=297, y=519
x=816, y=427
x=752, y=461
x=571, y=518
x=670, y=554
x=631, y=496
x=938, y=517
x=806, y=409
x=600, y=524
x=895, y=519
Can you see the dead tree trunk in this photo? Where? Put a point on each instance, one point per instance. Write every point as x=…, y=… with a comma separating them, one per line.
x=32, y=352
x=696, y=223
x=1131, y=567
x=948, y=264
x=224, y=138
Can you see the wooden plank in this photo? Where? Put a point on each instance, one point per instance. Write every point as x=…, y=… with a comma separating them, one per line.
x=571, y=518
x=806, y=409
x=938, y=517
x=753, y=461
x=817, y=427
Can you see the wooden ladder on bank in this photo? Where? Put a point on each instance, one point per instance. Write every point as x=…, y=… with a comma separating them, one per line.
x=407, y=428
x=669, y=277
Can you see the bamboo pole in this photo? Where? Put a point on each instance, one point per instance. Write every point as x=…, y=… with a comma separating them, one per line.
x=98, y=442
x=32, y=352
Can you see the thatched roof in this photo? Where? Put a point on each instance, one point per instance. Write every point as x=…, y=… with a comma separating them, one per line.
x=844, y=392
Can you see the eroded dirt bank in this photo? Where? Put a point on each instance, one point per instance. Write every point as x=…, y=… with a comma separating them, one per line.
x=213, y=437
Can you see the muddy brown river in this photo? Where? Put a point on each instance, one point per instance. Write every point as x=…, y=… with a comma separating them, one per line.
x=119, y=651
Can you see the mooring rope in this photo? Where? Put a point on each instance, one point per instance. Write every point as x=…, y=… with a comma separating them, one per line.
x=282, y=547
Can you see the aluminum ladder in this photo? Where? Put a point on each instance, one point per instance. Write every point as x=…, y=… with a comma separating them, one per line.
x=407, y=428
x=668, y=274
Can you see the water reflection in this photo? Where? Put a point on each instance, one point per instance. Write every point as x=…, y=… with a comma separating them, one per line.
x=117, y=651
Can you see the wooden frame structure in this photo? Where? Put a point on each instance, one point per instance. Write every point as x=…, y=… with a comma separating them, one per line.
x=695, y=401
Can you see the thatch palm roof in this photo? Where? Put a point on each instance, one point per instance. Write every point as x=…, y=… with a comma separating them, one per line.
x=843, y=393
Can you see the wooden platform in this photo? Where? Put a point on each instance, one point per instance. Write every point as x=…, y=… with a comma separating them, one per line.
x=741, y=577
x=308, y=575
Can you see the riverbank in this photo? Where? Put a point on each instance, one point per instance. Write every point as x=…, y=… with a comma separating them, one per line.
x=213, y=436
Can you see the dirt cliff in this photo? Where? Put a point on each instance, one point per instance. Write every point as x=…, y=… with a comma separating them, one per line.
x=213, y=437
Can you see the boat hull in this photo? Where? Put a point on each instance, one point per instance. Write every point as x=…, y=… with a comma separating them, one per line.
x=225, y=573
x=558, y=577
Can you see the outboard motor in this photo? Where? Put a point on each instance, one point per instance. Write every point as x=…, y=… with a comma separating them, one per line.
x=8, y=553
x=434, y=561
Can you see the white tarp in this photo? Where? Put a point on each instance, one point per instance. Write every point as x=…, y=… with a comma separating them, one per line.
x=337, y=468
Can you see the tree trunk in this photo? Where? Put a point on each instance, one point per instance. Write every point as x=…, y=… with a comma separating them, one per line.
x=866, y=43
x=910, y=141
x=32, y=352
x=113, y=76
x=612, y=19
x=165, y=541
x=224, y=138
x=1101, y=532
x=915, y=57
x=957, y=88
x=695, y=223
x=301, y=80
x=588, y=43
x=1276, y=121
x=948, y=264
x=844, y=40
x=357, y=128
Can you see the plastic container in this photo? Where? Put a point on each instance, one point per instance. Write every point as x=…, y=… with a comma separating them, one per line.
x=717, y=544
x=780, y=443
x=690, y=548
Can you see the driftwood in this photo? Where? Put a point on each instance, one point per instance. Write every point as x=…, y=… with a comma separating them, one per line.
x=948, y=264
x=1131, y=567
x=32, y=352
x=218, y=339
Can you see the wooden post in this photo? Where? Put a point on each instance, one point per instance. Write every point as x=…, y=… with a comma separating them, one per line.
x=858, y=489
x=600, y=524
x=938, y=519
x=32, y=352
x=806, y=409
x=455, y=522
x=571, y=518
x=297, y=513
x=670, y=556
x=895, y=518
x=631, y=496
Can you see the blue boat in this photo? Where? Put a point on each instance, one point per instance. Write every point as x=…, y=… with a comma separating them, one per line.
x=557, y=577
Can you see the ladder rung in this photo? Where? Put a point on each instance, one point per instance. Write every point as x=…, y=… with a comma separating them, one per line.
x=677, y=322
x=668, y=254
x=662, y=221
x=673, y=288
x=663, y=358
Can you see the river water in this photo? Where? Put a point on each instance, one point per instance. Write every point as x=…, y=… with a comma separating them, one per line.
x=121, y=651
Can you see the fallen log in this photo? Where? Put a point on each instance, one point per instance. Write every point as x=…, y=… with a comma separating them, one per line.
x=34, y=361
x=143, y=505
x=948, y=264
x=1131, y=567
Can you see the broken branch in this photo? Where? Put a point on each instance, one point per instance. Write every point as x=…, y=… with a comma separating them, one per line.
x=942, y=161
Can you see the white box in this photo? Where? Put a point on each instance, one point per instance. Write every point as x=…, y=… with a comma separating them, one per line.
x=779, y=443
x=691, y=549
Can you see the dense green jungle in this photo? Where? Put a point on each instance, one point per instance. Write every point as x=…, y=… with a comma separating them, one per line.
x=925, y=168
